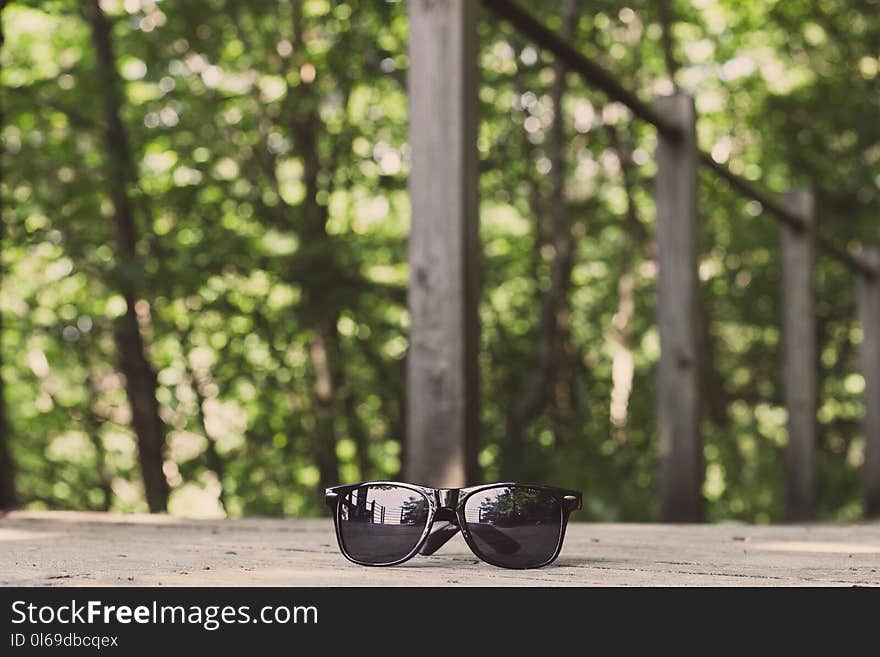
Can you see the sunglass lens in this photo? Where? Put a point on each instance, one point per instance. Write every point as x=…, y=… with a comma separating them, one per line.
x=513, y=526
x=382, y=523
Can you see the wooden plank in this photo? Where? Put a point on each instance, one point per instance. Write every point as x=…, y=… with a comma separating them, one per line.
x=868, y=299
x=800, y=358
x=678, y=413
x=442, y=404
x=65, y=548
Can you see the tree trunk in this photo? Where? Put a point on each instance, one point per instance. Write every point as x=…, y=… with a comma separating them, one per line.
x=326, y=365
x=533, y=399
x=140, y=379
x=619, y=334
x=324, y=387
x=317, y=270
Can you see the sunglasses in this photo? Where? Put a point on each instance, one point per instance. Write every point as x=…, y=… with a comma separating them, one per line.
x=384, y=523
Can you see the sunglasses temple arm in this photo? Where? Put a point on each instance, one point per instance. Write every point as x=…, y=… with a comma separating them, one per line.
x=438, y=538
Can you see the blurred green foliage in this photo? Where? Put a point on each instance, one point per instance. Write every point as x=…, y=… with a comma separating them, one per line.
x=216, y=97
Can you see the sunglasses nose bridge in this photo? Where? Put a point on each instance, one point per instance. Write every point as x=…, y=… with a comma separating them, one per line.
x=447, y=498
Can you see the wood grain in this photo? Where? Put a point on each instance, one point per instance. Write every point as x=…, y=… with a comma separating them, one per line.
x=868, y=298
x=800, y=358
x=442, y=395
x=93, y=549
x=678, y=412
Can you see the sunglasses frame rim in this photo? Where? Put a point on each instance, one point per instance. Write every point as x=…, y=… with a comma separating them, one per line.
x=569, y=500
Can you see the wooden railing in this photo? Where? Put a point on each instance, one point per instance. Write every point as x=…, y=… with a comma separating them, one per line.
x=444, y=283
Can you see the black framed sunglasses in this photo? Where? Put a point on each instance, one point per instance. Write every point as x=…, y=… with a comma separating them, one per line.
x=384, y=523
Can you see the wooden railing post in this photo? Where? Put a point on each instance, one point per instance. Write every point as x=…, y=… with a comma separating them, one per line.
x=680, y=441
x=868, y=299
x=442, y=377
x=800, y=358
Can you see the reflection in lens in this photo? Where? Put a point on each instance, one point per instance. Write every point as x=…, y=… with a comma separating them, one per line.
x=514, y=526
x=382, y=523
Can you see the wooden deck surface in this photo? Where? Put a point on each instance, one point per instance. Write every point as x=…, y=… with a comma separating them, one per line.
x=65, y=548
